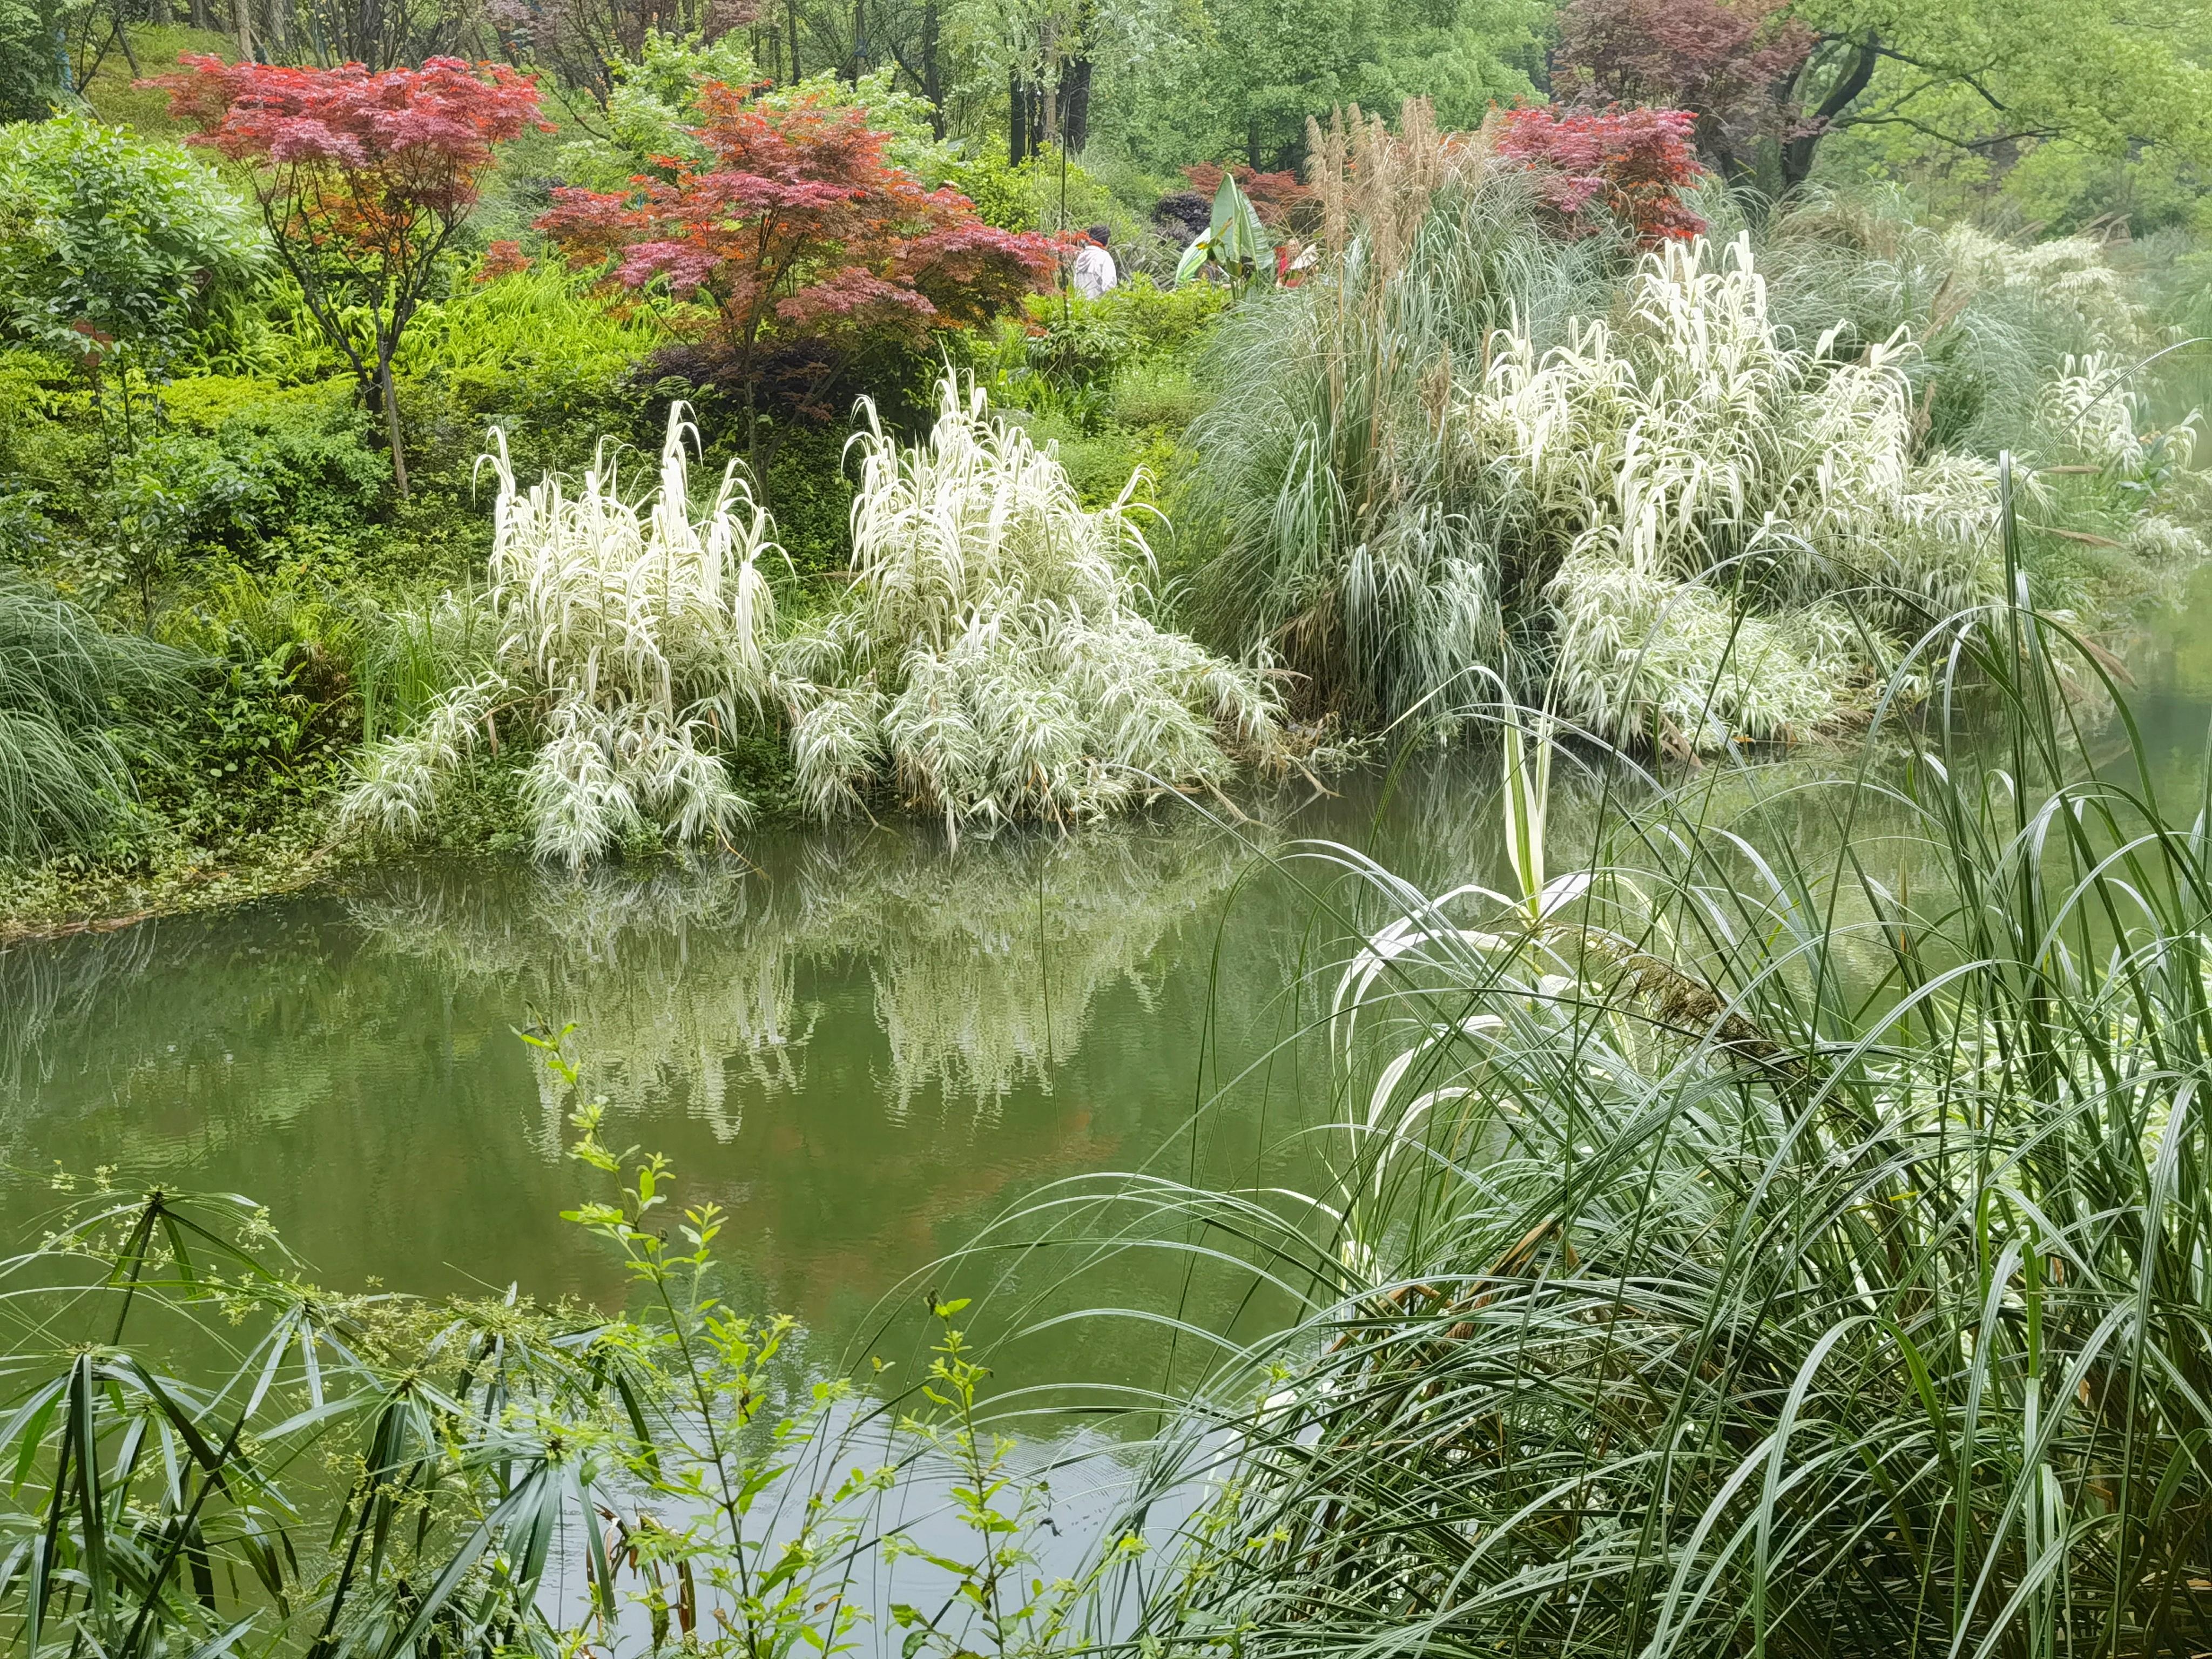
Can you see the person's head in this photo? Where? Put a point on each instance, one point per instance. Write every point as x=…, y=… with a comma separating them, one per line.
x=1099, y=234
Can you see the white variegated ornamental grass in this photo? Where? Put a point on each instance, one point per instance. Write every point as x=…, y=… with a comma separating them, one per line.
x=994, y=661
x=1686, y=505
x=627, y=643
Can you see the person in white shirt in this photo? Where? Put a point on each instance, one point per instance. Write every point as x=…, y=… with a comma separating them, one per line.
x=1094, y=265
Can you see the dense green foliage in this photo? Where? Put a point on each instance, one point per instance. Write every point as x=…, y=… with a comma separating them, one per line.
x=1362, y=509
x=1723, y=1253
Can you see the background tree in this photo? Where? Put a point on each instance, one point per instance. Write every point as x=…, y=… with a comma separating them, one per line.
x=811, y=249
x=1986, y=78
x=1239, y=79
x=1770, y=81
x=363, y=180
x=1735, y=66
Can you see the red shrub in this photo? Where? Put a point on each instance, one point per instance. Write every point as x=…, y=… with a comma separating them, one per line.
x=362, y=179
x=809, y=245
x=1629, y=163
x=1275, y=196
x=501, y=259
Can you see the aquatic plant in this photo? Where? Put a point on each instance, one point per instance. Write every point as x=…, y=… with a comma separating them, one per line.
x=627, y=641
x=993, y=661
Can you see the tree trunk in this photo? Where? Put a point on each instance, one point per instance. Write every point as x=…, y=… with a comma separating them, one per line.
x=791, y=17
x=241, y=13
x=1797, y=153
x=932, y=81
x=280, y=34
x=1021, y=137
x=123, y=38
x=1075, y=105
x=392, y=428
x=199, y=14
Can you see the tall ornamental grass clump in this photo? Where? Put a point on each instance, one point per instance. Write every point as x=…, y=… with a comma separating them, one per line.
x=74, y=701
x=1687, y=507
x=995, y=662
x=1327, y=477
x=1730, y=1253
x=628, y=640
x=1705, y=493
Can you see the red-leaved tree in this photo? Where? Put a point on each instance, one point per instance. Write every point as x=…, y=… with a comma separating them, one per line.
x=808, y=246
x=363, y=178
x=1277, y=197
x=1732, y=64
x=1631, y=165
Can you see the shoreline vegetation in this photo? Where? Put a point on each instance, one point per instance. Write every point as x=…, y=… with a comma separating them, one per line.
x=1778, y=1246
x=1768, y=1214
x=1543, y=401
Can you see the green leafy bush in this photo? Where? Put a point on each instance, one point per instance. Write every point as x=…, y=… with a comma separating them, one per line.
x=304, y=454
x=112, y=246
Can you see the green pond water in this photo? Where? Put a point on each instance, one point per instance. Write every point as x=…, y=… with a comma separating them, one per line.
x=862, y=1047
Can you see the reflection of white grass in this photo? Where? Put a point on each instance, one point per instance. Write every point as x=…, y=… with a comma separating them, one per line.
x=984, y=971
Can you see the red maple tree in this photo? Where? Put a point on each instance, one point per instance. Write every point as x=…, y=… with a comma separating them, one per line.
x=1277, y=197
x=362, y=179
x=808, y=246
x=1630, y=165
x=1732, y=64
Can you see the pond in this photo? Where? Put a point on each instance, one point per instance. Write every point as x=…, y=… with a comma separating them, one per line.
x=863, y=1047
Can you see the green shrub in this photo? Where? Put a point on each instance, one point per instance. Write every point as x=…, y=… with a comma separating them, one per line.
x=305, y=455
x=811, y=491
x=105, y=236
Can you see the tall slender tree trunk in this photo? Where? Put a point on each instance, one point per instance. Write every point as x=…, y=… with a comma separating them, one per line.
x=1021, y=137
x=199, y=14
x=933, y=85
x=391, y=427
x=1075, y=105
x=241, y=15
x=279, y=33
x=791, y=17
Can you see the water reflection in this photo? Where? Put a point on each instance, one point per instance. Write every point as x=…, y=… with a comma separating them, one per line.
x=984, y=970
x=859, y=1047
